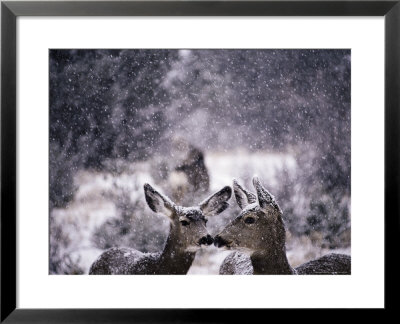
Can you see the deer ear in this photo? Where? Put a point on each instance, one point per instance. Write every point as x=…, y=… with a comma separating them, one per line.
x=217, y=202
x=157, y=202
x=264, y=197
x=243, y=197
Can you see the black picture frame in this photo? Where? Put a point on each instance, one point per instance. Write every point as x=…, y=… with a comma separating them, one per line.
x=10, y=10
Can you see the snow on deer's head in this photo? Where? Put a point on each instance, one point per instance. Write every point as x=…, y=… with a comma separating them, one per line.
x=259, y=226
x=188, y=224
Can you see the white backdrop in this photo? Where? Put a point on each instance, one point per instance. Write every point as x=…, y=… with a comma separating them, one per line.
x=364, y=288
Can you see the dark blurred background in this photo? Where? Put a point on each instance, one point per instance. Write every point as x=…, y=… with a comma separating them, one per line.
x=188, y=121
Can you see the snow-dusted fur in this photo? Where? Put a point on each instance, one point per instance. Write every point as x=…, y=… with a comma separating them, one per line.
x=187, y=233
x=238, y=263
x=260, y=232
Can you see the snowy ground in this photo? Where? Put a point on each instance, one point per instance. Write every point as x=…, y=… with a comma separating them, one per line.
x=95, y=202
x=223, y=167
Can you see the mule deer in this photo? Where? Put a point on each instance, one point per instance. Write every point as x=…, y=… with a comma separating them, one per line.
x=190, y=177
x=187, y=233
x=260, y=232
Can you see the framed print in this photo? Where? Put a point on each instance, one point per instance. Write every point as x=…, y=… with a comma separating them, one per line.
x=171, y=144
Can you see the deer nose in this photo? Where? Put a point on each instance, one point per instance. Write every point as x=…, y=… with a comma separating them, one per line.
x=206, y=240
x=210, y=239
x=219, y=241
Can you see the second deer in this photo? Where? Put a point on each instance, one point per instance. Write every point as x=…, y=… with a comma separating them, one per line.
x=259, y=231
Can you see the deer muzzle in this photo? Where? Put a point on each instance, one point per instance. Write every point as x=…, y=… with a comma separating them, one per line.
x=206, y=240
x=219, y=241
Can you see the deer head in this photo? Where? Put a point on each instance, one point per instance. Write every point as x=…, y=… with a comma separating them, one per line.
x=188, y=224
x=258, y=227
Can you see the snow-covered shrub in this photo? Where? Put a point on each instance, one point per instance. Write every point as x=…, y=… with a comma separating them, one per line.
x=134, y=225
x=60, y=260
x=315, y=201
x=62, y=168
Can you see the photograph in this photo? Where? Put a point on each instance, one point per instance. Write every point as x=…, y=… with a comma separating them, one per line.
x=199, y=161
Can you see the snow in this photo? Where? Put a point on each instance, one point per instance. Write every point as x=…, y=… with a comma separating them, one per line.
x=123, y=118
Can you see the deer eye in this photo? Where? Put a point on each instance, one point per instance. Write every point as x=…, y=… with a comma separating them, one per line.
x=184, y=222
x=249, y=220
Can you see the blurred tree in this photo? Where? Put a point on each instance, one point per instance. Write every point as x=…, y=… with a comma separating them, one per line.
x=103, y=104
x=109, y=101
